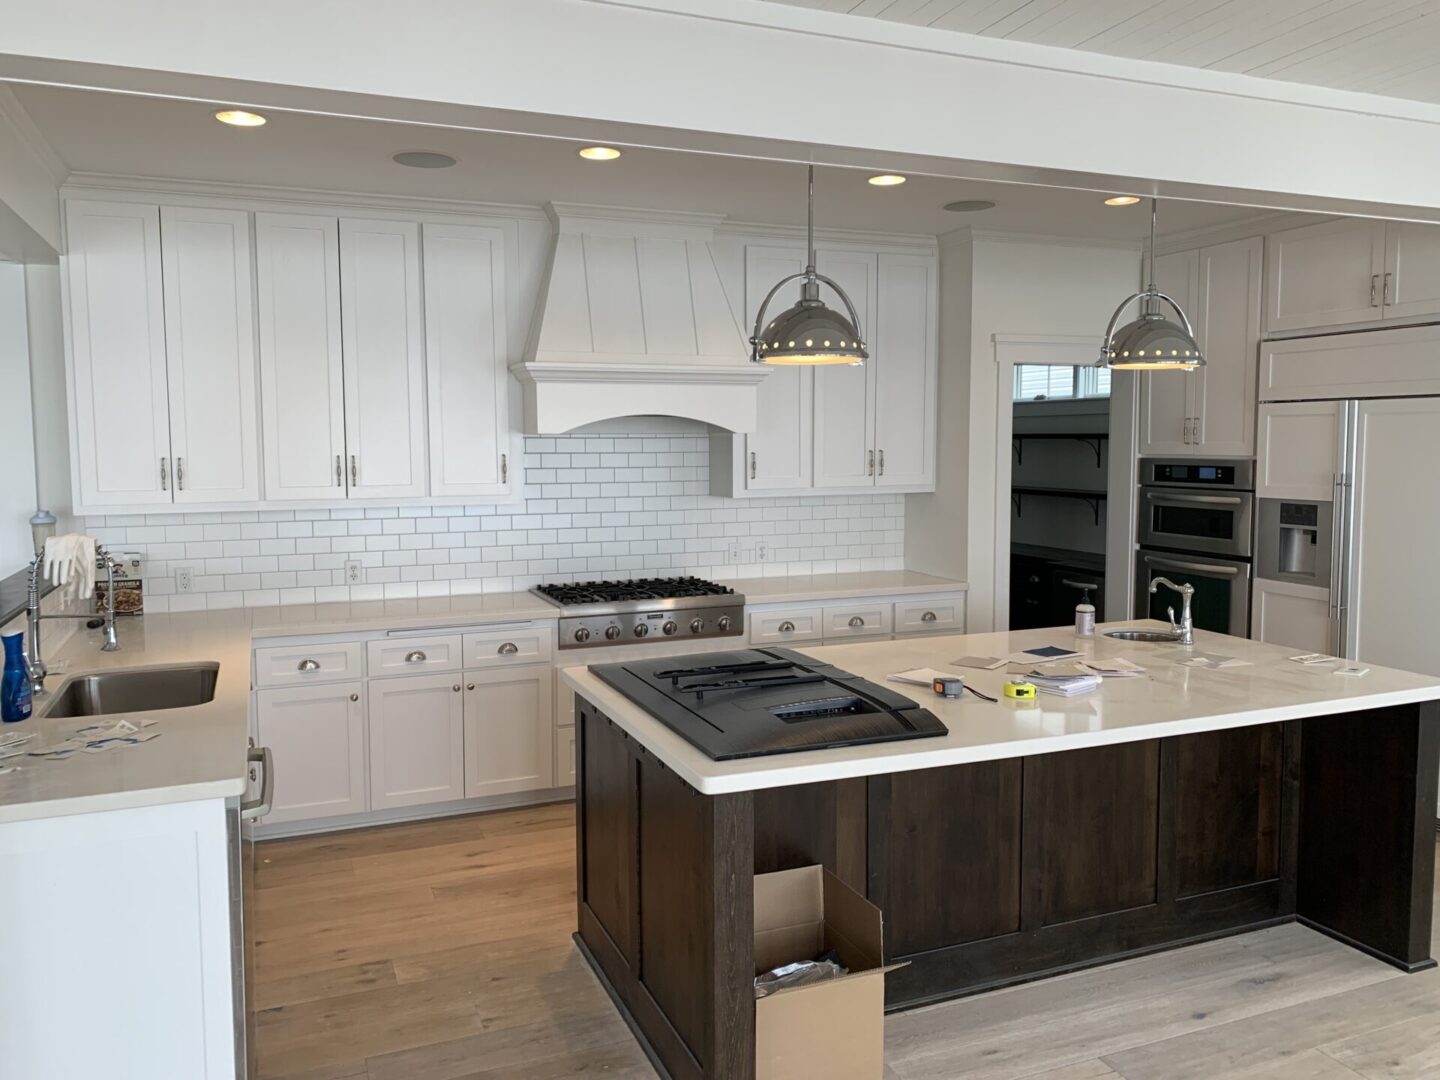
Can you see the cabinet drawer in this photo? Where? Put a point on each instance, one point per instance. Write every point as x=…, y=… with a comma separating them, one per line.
x=856, y=621
x=506, y=648
x=414, y=655
x=303, y=664
x=928, y=616
x=784, y=626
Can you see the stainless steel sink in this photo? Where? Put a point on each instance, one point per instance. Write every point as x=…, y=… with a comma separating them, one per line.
x=1143, y=635
x=145, y=690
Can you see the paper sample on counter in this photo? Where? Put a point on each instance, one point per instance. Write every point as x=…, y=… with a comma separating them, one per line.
x=1045, y=653
x=982, y=663
x=1212, y=661
x=1310, y=658
x=1352, y=671
x=1115, y=668
x=921, y=676
x=1065, y=685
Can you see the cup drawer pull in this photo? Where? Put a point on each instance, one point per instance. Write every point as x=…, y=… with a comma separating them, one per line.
x=416, y=657
x=786, y=627
x=929, y=616
x=308, y=665
x=508, y=649
x=856, y=622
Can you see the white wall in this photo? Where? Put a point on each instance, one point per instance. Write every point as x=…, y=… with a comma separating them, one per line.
x=29, y=181
x=17, y=444
x=1015, y=287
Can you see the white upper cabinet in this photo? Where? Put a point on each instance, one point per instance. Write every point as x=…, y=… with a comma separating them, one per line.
x=845, y=395
x=120, y=413
x=1411, y=286
x=467, y=376
x=1299, y=451
x=1222, y=407
x=301, y=372
x=382, y=344
x=905, y=348
x=1209, y=411
x=1165, y=396
x=1324, y=275
x=210, y=346
x=778, y=455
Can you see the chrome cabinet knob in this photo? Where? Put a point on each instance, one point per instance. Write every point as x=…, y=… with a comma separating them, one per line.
x=723, y=623
x=856, y=622
x=470, y=686
x=612, y=632
x=582, y=634
x=641, y=629
x=787, y=627
x=354, y=697
x=456, y=688
x=929, y=616
x=696, y=625
x=508, y=649
x=308, y=665
x=416, y=657
x=670, y=627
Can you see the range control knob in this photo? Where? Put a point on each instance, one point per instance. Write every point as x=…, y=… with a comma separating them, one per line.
x=723, y=623
x=670, y=627
x=641, y=629
x=582, y=634
x=612, y=632
x=696, y=625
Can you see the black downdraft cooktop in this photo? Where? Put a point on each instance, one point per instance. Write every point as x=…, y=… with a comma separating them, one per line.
x=754, y=702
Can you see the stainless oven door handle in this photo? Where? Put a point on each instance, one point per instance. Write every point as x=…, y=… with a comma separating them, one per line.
x=258, y=808
x=1189, y=500
x=1194, y=568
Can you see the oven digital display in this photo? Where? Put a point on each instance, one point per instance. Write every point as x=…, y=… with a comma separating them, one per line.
x=1194, y=474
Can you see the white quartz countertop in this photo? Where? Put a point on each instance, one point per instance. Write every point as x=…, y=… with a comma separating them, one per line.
x=1167, y=700
x=795, y=589
x=441, y=611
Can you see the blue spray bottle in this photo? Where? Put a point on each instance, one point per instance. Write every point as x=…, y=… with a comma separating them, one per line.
x=15, y=686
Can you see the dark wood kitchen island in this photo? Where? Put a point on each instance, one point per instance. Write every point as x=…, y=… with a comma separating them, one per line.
x=1031, y=840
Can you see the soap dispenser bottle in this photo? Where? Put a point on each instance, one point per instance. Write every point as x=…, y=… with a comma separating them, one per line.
x=1085, y=615
x=15, y=686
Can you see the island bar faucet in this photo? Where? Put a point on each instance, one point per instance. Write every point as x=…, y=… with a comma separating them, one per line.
x=37, y=667
x=1184, y=630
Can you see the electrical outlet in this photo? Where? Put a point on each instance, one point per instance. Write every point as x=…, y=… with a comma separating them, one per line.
x=184, y=579
x=761, y=551
x=747, y=553
x=732, y=552
x=354, y=572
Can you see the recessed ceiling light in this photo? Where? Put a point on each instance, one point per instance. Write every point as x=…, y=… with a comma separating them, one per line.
x=239, y=118
x=1122, y=200
x=599, y=153
x=969, y=206
x=423, y=159
x=887, y=180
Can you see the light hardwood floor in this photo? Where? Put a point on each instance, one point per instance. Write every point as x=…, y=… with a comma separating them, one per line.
x=441, y=951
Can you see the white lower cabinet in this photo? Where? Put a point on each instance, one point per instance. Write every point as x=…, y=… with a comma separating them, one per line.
x=317, y=734
x=1296, y=616
x=509, y=721
x=417, y=740
x=565, y=757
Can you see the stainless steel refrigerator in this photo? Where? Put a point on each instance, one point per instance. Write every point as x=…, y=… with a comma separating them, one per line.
x=1348, y=521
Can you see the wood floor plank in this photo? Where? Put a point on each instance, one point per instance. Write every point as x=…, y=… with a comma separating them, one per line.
x=1082, y=1070
x=315, y=986
x=1408, y=1049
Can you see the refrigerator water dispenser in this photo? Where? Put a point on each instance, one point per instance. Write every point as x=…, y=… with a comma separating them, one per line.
x=1293, y=542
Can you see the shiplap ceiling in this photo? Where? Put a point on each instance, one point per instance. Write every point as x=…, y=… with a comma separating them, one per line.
x=1389, y=47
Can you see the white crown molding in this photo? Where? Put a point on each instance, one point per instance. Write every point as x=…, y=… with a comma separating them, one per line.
x=679, y=369
x=1243, y=229
x=14, y=112
x=632, y=214
x=755, y=230
x=86, y=183
x=1019, y=236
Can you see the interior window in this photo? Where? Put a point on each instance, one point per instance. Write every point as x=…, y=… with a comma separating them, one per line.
x=1047, y=382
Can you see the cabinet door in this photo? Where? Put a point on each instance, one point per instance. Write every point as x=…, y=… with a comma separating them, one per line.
x=467, y=374
x=1222, y=407
x=210, y=344
x=565, y=757
x=779, y=453
x=904, y=347
x=317, y=734
x=384, y=359
x=1296, y=616
x=302, y=391
x=1324, y=275
x=1165, y=396
x=844, y=395
x=417, y=740
x=1299, y=451
x=508, y=731
x=120, y=418
x=1412, y=267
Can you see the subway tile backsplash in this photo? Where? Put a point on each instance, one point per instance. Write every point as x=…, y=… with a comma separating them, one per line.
x=595, y=506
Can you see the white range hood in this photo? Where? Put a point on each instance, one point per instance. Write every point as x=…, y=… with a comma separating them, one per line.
x=633, y=321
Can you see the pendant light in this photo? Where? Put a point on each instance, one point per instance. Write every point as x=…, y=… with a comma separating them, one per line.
x=1152, y=342
x=809, y=332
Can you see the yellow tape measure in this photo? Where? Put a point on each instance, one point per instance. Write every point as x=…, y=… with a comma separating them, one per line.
x=1021, y=691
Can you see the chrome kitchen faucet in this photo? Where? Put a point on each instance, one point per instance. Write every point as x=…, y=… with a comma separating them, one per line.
x=1185, y=628
x=36, y=665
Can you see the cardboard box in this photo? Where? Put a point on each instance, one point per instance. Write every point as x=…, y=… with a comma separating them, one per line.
x=834, y=1029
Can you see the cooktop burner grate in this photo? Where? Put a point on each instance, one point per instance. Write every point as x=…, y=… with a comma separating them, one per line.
x=613, y=592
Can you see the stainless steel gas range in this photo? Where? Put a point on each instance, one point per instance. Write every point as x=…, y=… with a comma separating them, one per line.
x=613, y=613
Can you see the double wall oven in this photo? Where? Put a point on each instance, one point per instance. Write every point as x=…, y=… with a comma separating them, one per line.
x=1195, y=527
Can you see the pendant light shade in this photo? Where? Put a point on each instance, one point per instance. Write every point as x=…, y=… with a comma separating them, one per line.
x=808, y=332
x=1151, y=342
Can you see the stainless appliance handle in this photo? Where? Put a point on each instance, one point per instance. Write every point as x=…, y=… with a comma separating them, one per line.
x=1194, y=568
x=1186, y=499
x=254, y=809
x=1337, y=541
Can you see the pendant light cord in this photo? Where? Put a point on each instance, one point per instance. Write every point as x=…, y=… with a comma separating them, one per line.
x=1151, y=285
x=810, y=225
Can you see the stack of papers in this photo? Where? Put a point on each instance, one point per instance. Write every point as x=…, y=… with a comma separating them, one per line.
x=1064, y=680
x=1116, y=668
x=97, y=738
x=921, y=676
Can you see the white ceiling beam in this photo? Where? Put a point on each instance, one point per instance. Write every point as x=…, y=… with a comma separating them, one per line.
x=760, y=79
